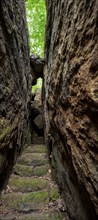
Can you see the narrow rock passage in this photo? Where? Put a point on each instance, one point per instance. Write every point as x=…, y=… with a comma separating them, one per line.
x=31, y=194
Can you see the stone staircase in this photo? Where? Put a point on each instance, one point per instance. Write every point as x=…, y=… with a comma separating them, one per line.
x=31, y=194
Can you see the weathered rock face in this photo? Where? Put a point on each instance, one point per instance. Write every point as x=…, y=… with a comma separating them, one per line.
x=71, y=102
x=37, y=65
x=36, y=119
x=14, y=82
x=37, y=127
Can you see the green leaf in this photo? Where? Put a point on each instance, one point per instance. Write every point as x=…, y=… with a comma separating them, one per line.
x=36, y=19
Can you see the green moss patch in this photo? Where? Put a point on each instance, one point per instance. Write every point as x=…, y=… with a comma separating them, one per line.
x=41, y=170
x=54, y=195
x=28, y=184
x=26, y=170
x=33, y=159
x=26, y=202
x=23, y=170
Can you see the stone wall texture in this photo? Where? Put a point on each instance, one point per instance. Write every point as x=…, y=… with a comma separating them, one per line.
x=71, y=102
x=14, y=82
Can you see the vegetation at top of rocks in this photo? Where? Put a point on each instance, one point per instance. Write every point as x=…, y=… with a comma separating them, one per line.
x=36, y=19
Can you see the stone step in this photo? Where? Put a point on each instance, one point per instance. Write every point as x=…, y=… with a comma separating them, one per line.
x=44, y=216
x=56, y=215
x=7, y=217
x=37, y=140
x=41, y=170
x=26, y=202
x=30, y=202
x=36, y=148
x=27, y=184
x=31, y=194
x=23, y=170
x=33, y=159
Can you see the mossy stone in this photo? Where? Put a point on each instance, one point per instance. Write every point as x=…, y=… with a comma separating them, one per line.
x=23, y=170
x=36, y=148
x=27, y=184
x=33, y=159
x=26, y=202
x=41, y=170
x=45, y=216
x=54, y=194
x=36, y=216
x=28, y=171
x=7, y=218
x=30, y=189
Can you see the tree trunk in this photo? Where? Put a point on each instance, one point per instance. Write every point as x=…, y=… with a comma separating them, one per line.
x=71, y=102
x=14, y=82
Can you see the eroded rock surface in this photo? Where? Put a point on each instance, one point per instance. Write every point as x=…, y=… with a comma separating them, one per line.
x=37, y=125
x=71, y=102
x=37, y=66
x=14, y=82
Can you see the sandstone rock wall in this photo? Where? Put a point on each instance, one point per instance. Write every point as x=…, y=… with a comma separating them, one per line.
x=14, y=82
x=36, y=120
x=71, y=102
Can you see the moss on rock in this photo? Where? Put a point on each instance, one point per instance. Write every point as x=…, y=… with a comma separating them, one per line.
x=25, y=202
x=23, y=170
x=45, y=216
x=33, y=159
x=36, y=148
x=27, y=184
x=41, y=170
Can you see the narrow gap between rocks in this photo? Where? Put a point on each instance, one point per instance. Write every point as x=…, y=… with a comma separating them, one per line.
x=30, y=193
x=36, y=20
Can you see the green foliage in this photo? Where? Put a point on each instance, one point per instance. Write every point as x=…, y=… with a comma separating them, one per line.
x=36, y=19
x=37, y=86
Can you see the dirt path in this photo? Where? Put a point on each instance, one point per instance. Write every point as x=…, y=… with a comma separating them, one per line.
x=30, y=193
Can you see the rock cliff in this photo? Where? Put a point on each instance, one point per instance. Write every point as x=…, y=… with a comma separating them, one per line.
x=14, y=82
x=71, y=102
